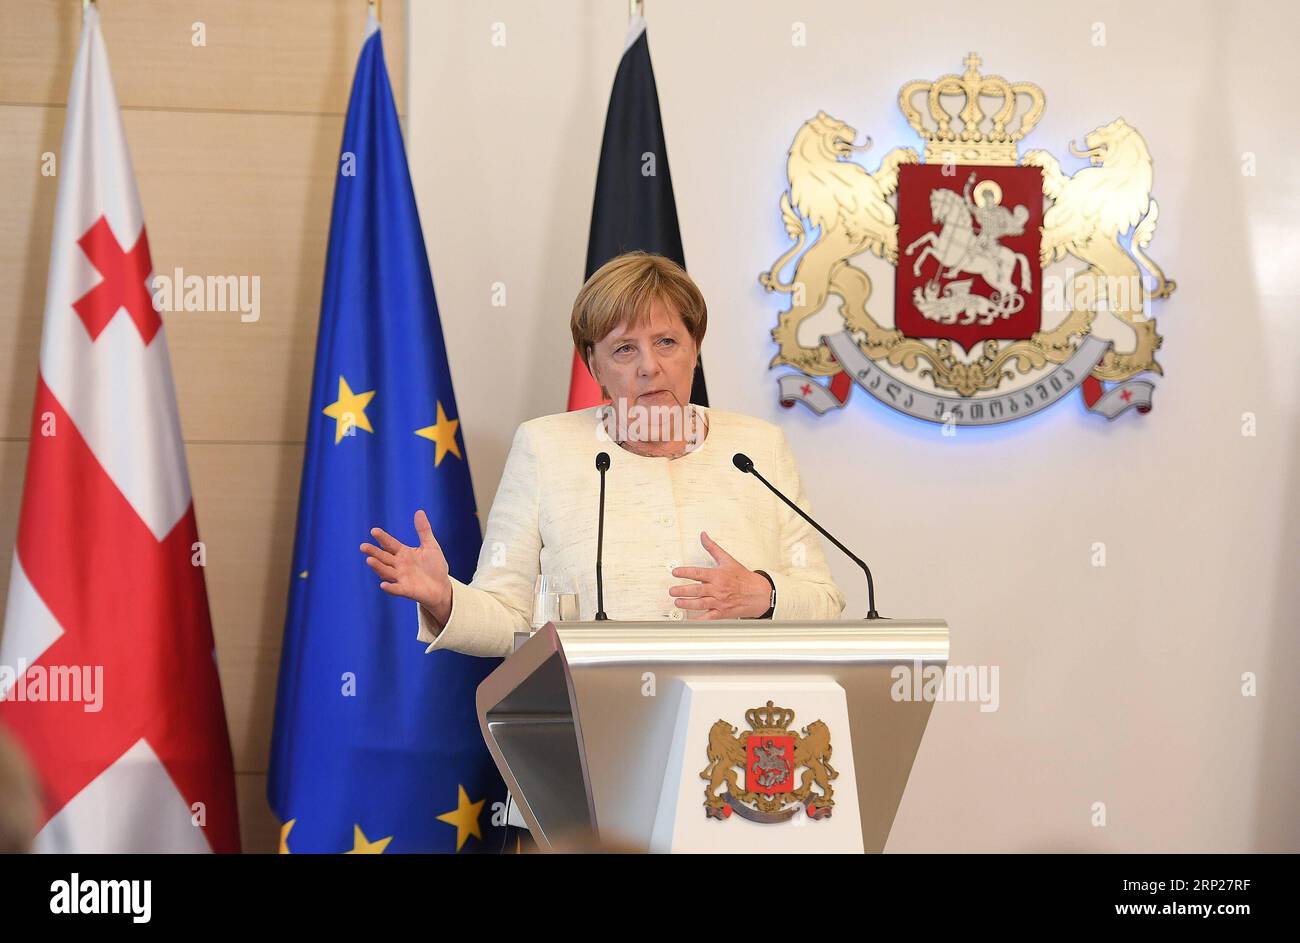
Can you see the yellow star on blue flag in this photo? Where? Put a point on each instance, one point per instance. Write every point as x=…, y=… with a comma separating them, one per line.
x=443, y=434
x=349, y=411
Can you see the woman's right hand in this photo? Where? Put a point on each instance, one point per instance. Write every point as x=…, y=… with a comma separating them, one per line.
x=418, y=573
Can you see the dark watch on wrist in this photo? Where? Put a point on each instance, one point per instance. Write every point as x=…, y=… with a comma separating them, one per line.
x=772, y=607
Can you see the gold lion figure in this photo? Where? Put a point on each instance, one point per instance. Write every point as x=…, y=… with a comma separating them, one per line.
x=1090, y=210
x=813, y=750
x=849, y=205
x=726, y=752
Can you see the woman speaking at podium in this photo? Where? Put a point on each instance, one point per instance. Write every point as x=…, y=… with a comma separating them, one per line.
x=686, y=535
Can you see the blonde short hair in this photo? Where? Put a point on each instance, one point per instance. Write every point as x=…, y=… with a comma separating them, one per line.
x=623, y=289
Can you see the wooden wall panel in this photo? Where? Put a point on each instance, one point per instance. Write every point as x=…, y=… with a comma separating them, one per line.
x=13, y=463
x=246, y=501
x=281, y=56
x=258, y=829
x=25, y=228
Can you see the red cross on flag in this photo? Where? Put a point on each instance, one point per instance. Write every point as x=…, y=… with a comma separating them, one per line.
x=108, y=676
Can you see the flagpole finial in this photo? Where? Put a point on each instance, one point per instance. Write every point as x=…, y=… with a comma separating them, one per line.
x=376, y=9
x=635, y=8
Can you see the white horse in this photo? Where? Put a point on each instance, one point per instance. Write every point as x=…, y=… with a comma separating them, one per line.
x=958, y=248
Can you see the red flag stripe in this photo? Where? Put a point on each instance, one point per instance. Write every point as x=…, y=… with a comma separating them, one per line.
x=584, y=391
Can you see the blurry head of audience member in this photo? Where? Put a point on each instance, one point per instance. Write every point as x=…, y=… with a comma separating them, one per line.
x=19, y=799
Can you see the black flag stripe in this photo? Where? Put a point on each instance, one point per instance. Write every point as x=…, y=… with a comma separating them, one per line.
x=633, y=208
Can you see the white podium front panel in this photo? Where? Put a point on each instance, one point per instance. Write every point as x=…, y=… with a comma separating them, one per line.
x=679, y=825
x=602, y=729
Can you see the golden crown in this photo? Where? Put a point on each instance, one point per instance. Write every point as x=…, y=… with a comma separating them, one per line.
x=981, y=139
x=769, y=717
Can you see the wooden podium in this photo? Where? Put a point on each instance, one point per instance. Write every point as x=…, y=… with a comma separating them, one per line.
x=726, y=736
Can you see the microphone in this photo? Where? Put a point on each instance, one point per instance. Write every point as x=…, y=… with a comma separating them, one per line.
x=746, y=465
x=602, y=466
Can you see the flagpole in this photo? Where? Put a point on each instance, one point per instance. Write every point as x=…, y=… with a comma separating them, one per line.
x=635, y=8
x=376, y=8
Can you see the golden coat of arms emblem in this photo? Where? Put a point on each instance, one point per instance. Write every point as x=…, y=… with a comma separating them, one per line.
x=1014, y=282
x=771, y=756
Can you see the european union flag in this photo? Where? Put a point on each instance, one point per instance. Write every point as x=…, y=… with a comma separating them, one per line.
x=377, y=745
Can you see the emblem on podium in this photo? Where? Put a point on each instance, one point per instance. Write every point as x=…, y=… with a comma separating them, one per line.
x=771, y=756
x=1013, y=282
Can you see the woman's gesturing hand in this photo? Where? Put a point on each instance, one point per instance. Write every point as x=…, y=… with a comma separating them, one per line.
x=418, y=573
x=725, y=591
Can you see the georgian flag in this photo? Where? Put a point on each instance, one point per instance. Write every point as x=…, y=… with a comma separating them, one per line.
x=108, y=677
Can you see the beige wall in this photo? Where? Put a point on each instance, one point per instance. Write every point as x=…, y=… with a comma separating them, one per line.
x=235, y=146
x=1118, y=684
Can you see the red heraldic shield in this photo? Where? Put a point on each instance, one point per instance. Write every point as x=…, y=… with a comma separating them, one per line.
x=769, y=763
x=968, y=242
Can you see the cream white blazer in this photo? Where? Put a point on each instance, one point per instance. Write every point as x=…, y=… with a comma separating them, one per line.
x=545, y=514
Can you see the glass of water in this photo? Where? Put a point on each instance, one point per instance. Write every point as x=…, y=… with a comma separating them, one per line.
x=554, y=600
